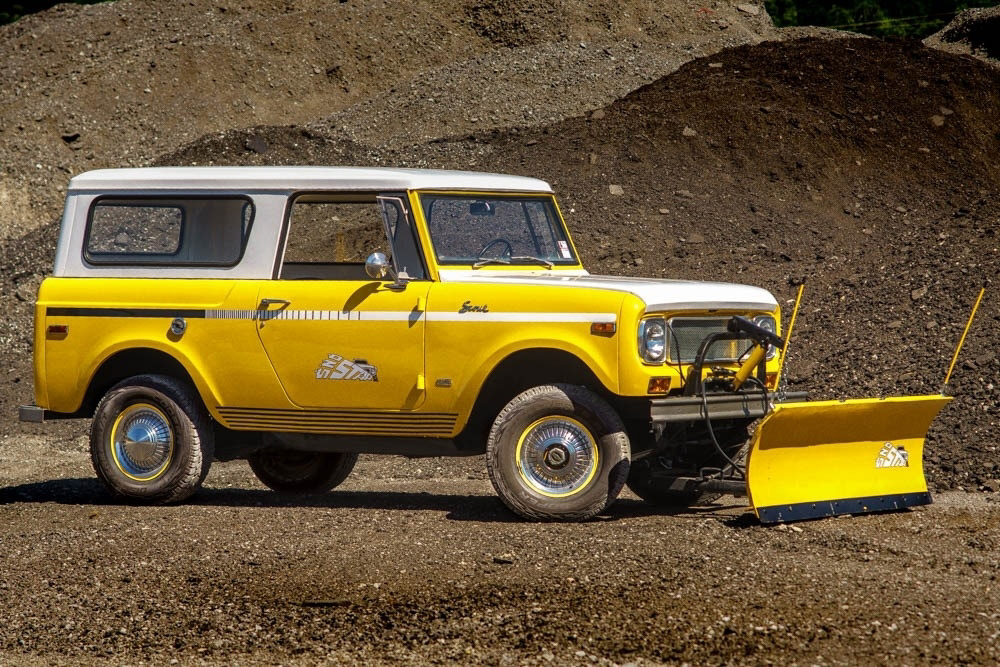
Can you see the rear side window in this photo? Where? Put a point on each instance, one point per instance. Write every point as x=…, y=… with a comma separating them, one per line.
x=202, y=231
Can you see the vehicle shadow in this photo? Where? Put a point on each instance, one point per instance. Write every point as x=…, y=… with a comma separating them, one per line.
x=90, y=491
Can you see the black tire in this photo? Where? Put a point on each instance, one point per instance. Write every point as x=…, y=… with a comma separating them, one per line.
x=151, y=439
x=308, y=473
x=558, y=453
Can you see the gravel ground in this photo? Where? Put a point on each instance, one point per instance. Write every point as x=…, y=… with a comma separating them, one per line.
x=417, y=561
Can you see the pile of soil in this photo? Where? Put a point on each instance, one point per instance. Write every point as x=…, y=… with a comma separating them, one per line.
x=863, y=169
x=682, y=145
x=973, y=31
x=119, y=83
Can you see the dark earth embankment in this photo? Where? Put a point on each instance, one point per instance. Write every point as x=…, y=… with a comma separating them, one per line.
x=866, y=170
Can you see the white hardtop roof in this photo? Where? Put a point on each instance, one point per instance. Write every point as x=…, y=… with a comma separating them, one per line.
x=297, y=179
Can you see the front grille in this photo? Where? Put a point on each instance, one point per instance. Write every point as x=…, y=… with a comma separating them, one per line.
x=685, y=334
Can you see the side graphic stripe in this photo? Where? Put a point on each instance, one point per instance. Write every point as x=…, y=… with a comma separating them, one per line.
x=125, y=312
x=335, y=315
x=340, y=422
x=439, y=316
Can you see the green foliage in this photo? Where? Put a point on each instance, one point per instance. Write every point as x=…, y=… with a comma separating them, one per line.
x=10, y=12
x=881, y=18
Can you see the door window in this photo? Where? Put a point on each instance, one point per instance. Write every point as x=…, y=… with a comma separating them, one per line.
x=330, y=237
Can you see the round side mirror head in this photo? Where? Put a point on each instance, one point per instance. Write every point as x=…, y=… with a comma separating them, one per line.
x=377, y=265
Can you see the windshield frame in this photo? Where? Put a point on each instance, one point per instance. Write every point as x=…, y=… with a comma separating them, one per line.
x=550, y=243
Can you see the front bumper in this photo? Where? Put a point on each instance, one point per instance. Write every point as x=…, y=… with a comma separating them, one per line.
x=742, y=405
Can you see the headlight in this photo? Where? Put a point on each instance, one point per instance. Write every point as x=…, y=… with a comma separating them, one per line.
x=653, y=340
x=767, y=323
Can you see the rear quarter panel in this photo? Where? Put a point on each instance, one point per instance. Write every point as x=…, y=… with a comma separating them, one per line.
x=106, y=316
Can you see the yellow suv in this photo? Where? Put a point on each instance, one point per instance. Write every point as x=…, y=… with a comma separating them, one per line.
x=299, y=316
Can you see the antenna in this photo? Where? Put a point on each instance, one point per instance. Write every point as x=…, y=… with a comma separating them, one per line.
x=961, y=342
x=788, y=336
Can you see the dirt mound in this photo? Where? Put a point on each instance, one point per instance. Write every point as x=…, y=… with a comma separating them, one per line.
x=865, y=169
x=119, y=83
x=862, y=168
x=975, y=32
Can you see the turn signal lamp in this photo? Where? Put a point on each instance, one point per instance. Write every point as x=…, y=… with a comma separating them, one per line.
x=659, y=385
x=602, y=328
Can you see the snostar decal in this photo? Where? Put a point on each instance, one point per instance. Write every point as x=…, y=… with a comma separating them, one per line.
x=335, y=367
x=891, y=456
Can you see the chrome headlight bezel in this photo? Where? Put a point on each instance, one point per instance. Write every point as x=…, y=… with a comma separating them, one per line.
x=652, y=340
x=768, y=323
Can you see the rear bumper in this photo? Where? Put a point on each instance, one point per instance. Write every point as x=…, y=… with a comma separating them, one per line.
x=31, y=413
x=744, y=405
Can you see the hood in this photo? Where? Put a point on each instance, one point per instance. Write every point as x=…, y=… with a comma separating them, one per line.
x=658, y=295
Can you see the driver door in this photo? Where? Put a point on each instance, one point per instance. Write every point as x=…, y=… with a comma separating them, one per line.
x=337, y=338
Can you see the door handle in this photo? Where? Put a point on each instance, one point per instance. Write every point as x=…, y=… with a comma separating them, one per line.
x=264, y=313
x=265, y=303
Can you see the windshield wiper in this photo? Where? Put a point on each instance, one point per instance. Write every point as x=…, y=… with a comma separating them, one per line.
x=516, y=258
x=490, y=260
x=529, y=258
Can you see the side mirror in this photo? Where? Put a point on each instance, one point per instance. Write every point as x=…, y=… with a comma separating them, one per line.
x=481, y=208
x=377, y=266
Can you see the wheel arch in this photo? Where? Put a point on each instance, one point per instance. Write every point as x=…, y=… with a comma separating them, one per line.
x=129, y=362
x=515, y=373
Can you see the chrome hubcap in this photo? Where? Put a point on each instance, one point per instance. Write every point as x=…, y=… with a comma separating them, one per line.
x=557, y=456
x=142, y=443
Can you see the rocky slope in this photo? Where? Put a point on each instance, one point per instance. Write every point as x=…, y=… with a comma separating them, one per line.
x=864, y=169
x=118, y=83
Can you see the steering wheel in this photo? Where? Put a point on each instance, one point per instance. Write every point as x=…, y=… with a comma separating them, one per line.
x=508, y=248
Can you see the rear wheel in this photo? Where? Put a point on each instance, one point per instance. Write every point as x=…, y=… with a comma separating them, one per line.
x=558, y=452
x=151, y=439
x=310, y=473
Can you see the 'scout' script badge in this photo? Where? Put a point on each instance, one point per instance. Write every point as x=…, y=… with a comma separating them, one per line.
x=467, y=307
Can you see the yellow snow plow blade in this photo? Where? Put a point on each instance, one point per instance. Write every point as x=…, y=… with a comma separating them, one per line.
x=823, y=458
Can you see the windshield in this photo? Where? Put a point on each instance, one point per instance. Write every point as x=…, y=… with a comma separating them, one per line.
x=493, y=229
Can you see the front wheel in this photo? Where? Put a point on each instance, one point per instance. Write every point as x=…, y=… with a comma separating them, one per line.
x=151, y=439
x=308, y=473
x=558, y=453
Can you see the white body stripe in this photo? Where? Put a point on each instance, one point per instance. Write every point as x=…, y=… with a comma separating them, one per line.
x=407, y=316
x=440, y=316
